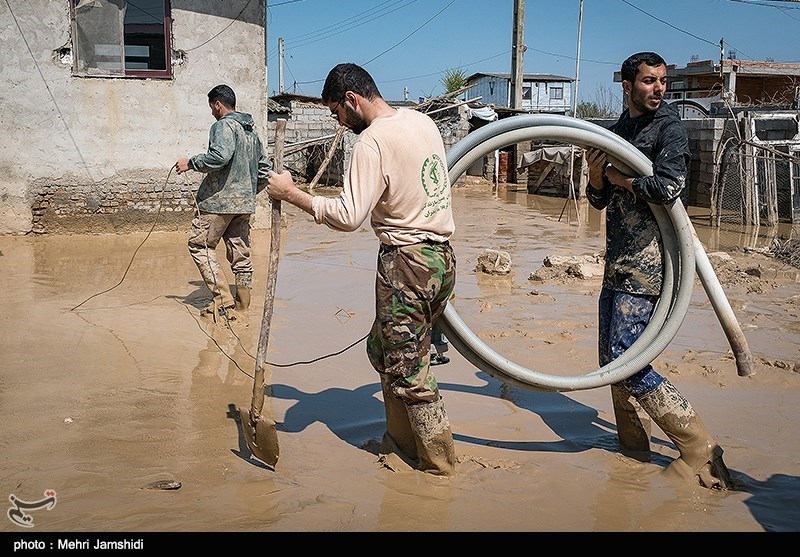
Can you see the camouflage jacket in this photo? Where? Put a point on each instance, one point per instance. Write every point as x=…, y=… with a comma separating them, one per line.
x=235, y=165
x=633, y=260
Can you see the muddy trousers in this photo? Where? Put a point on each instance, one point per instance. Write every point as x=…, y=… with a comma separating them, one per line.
x=412, y=287
x=206, y=232
x=646, y=396
x=419, y=434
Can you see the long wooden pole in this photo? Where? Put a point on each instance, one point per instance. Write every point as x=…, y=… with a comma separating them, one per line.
x=259, y=384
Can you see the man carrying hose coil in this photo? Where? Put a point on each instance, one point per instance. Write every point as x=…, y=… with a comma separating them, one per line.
x=397, y=177
x=634, y=272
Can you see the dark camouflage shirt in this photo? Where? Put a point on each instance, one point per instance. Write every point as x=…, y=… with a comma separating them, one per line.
x=235, y=165
x=633, y=260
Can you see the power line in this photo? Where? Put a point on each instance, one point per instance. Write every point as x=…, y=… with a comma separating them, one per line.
x=362, y=18
x=668, y=24
x=783, y=9
x=410, y=34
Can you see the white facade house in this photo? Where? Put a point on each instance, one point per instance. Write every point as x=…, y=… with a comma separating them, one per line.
x=540, y=92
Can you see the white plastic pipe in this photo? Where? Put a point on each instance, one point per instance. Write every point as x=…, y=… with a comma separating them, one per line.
x=681, y=251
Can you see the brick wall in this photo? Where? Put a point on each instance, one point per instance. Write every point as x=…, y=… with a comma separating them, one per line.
x=123, y=204
x=164, y=201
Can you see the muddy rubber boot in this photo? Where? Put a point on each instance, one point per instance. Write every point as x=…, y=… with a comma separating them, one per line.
x=218, y=285
x=398, y=440
x=633, y=425
x=434, y=439
x=701, y=456
x=242, y=299
x=243, y=283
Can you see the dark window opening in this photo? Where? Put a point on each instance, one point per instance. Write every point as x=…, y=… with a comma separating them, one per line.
x=119, y=38
x=526, y=92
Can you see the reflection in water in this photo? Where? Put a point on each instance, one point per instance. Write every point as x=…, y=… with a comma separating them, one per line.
x=726, y=237
x=225, y=358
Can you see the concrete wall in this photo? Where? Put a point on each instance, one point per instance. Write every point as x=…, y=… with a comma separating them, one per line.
x=308, y=120
x=705, y=135
x=92, y=154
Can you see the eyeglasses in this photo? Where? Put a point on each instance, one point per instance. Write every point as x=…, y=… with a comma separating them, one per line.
x=335, y=112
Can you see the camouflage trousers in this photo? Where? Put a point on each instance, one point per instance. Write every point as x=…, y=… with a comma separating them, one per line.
x=622, y=319
x=411, y=291
x=207, y=230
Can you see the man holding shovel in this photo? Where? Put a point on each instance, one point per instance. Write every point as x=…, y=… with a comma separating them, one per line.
x=397, y=176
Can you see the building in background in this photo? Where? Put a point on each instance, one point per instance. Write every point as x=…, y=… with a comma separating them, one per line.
x=547, y=93
x=100, y=98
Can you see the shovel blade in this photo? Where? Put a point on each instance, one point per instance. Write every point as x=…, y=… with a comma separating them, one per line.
x=261, y=437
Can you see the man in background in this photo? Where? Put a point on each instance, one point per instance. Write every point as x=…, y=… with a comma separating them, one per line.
x=235, y=168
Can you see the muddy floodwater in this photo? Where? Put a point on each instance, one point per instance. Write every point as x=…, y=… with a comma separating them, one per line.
x=110, y=381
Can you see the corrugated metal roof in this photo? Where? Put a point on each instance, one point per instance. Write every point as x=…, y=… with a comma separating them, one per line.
x=525, y=77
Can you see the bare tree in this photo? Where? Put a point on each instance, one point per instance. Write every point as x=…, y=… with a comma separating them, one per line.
x=605, y=105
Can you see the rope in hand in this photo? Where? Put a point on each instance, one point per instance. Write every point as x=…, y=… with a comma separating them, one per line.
x=130, y=264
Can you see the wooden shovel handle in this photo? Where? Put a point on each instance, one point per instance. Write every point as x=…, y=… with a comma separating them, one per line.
x=272, y=277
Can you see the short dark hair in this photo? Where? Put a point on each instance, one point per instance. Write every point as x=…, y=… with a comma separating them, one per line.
x=349, y=77
x=630, y=67
x=223, y=94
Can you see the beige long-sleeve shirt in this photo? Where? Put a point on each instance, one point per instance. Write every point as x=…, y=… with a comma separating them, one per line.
x=397, y=176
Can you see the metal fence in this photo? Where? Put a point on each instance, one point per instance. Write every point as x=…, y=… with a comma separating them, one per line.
x=757, y=184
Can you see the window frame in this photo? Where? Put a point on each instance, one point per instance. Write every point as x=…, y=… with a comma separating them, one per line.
x=166, y=73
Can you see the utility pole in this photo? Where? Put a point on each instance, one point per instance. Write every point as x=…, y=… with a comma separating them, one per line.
x=266, y=69
x=517, y=54
x=577, y=62
x=280, y=65
x=517, y=75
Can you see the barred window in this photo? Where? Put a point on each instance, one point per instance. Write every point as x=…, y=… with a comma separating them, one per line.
x=121, y=38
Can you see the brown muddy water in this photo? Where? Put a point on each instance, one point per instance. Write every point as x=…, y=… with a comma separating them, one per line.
x=109, y=381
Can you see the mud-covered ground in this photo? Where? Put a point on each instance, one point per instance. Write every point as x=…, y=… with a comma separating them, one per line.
x=109, y=381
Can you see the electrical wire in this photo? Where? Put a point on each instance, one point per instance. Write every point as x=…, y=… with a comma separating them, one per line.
x=668, y=24
x=404, y=39
x=160, y=205
x=226, y=317
x=362, y=18
x=273, y=364
x=50, y=92
x=221, y=31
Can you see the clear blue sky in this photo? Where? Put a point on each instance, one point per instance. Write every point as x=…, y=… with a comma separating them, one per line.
x=410, y=43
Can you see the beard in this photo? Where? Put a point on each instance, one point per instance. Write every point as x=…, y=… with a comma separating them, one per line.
x=643, y=103
x=353, y=121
